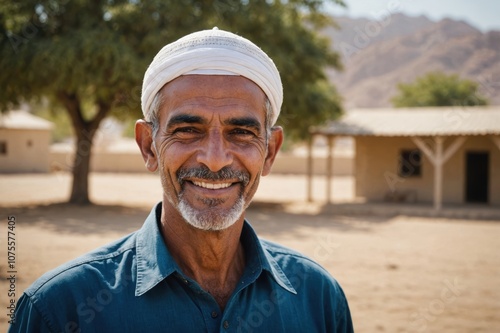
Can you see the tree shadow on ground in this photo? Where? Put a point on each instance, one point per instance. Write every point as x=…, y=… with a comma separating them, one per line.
x=278, y=218
x=66, y=218
x=270, y=218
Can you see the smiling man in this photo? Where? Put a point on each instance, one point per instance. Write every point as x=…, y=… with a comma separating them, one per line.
x=210, y=103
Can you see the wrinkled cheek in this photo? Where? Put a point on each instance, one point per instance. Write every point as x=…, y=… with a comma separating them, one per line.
x=171, y=189
x=251, y=189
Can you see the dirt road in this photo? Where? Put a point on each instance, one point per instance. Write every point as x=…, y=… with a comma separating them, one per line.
x=400, y=274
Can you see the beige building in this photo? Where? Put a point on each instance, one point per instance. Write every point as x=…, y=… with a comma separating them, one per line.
x=428, y=155
x=24, y=142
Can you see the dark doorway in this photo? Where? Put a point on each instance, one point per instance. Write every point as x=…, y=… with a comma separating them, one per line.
x=477, y=177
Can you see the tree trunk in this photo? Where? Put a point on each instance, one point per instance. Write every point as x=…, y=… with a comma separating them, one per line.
x=84, y=131
x=81, y=168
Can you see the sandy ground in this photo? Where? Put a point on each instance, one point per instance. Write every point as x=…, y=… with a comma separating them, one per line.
x=400, y=274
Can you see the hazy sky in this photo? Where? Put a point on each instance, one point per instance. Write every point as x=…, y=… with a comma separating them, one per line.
x=483, y=14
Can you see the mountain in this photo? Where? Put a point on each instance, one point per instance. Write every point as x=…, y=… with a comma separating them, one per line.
x=378, y=54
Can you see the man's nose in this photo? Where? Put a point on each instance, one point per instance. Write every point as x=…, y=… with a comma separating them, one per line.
x=214, y=153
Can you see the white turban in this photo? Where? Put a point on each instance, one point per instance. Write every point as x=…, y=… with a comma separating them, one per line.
x=213, y=52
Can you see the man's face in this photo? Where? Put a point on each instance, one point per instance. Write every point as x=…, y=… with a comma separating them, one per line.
x=211, y=148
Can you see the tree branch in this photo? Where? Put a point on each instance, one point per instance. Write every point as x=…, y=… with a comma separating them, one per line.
x=71, y=102
x=102, y=111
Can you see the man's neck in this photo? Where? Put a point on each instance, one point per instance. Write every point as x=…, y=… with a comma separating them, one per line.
x=214, y=259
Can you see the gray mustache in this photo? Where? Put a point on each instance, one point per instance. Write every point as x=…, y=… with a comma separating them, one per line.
x=203, y=172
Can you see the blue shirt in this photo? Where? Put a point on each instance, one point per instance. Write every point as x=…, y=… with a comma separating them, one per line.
x=134, y=285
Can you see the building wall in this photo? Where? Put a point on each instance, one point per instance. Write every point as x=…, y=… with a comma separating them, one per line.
x=27, y=150
x=377, y=179
x=288, y=163
x=103, y=161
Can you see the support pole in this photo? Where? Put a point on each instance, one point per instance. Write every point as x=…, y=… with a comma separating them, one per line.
x=496, y=140
x=438, y=158
x=438, y=173
x=329, y=164
x=310, y=168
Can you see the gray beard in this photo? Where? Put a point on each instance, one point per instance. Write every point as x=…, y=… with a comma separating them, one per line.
x=211, y=219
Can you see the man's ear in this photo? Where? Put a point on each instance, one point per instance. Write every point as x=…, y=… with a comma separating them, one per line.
x=274, y=145
x=144, y=139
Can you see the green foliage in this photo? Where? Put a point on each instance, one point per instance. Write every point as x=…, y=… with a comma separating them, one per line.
x=62, y=129
x=88, y=57
x=439, y=89
x=97, y=51
x=129, y=128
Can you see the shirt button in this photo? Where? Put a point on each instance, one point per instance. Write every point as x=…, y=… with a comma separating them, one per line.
x=214, y=314
x=225, y=324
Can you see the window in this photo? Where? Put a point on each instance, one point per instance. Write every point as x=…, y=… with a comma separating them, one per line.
x=3, y=147
x=410, y=163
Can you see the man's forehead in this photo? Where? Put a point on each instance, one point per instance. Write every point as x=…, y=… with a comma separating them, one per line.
x=214, y=88
x=213, y=85
x=206, y=97
x=202, y=114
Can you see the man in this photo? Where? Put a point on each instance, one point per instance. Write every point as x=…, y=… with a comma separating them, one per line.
x=210, y=102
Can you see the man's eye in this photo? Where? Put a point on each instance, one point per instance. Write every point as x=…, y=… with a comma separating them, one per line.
x=185, y=130
x=241, y=131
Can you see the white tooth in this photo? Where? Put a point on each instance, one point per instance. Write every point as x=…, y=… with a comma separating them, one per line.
x=211, y=185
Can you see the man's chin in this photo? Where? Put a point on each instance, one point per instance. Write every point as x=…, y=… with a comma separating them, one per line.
x=213, y=218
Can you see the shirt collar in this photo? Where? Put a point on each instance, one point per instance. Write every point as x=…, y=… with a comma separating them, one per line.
x=155, y=263
x=260, y=259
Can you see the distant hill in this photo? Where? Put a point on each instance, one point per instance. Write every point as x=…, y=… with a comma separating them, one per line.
x=378, y=54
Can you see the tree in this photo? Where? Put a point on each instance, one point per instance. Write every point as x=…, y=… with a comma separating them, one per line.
x=439, y=89
x=89, y=57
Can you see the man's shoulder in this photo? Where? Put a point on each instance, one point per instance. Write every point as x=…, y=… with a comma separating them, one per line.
x=291, y=260
x=277, y=250
x=309, y=279
x=89, y=266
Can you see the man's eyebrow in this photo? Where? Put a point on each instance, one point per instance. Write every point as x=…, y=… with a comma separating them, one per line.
x=248, y=122
x=185, y=119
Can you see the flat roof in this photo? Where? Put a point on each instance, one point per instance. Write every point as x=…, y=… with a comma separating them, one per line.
x=428, y=121
x=18, y=119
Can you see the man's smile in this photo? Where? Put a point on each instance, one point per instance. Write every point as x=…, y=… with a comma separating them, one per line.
x=212, y=186
x=211, y=189
x=202, y=180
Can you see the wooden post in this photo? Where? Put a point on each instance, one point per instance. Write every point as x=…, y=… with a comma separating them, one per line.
x=438, y=173
x=329, y=164
x=438, y=158
x=496, y=140
x=310, y=167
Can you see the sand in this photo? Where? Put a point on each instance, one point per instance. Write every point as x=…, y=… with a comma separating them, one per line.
x=400, y=273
